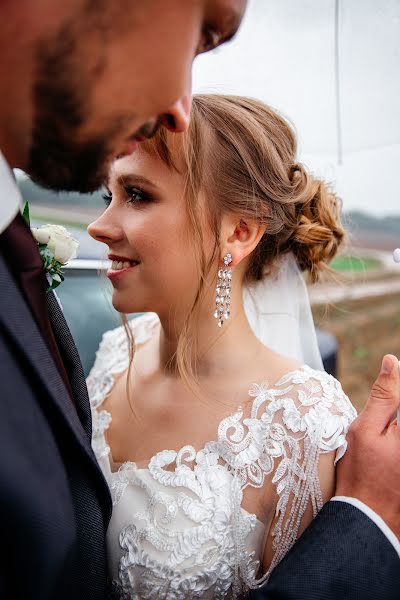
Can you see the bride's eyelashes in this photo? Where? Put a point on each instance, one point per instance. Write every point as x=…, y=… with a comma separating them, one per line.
x=136, y=195
x=107, y=197
x=133, y=195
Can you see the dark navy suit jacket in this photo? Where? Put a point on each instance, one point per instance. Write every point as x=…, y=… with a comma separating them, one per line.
x=342, y=555
x=54, y=503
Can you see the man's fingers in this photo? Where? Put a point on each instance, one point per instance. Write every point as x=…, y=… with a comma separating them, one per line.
x=385, y=395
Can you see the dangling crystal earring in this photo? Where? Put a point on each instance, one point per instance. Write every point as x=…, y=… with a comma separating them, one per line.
x=223, y=292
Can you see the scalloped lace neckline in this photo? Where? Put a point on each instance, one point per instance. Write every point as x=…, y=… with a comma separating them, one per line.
x=263, y=387
x=143, y=328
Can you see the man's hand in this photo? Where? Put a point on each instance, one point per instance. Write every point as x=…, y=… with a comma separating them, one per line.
x=370, y=469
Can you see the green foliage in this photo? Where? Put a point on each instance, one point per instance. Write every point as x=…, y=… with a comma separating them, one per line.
x=52, y=267
x=361, y=352
x=354, y=263
x=26, y=215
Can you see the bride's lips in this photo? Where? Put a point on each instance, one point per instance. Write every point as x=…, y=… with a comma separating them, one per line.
x=120, y=265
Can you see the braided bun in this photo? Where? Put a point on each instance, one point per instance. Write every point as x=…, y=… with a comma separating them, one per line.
x=318, y=232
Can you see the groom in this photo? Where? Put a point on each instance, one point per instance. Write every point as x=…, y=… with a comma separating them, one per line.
x=83, y=81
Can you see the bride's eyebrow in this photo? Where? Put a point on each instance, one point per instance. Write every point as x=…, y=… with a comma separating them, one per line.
x=131, y=179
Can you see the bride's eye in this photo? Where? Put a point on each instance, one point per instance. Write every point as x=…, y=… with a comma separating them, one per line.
x=136, y=195
x=107, y=197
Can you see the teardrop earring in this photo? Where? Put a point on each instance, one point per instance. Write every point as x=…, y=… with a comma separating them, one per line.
x=223, y=292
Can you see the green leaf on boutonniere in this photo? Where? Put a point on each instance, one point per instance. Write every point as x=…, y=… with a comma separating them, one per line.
x=53, y=286
x=55, y=275
x=26, y=215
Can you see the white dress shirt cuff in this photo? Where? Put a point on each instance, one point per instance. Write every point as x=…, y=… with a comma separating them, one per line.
x=379, y=522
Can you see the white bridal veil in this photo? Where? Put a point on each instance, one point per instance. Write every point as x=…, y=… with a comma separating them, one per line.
x=279, y=312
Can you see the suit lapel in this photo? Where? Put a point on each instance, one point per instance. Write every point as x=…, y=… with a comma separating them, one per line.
x=16, y=318
x=72, y=362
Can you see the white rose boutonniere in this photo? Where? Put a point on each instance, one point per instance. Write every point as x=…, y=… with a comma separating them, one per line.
x=56, y=247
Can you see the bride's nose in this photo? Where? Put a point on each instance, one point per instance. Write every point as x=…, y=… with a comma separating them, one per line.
x=105, y=230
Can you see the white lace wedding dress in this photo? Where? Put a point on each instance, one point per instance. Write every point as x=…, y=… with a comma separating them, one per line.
x=179, y=529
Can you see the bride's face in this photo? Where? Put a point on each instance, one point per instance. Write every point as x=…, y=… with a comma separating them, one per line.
x=147, y=231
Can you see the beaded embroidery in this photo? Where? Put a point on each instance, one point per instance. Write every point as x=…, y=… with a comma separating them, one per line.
x=191, y=537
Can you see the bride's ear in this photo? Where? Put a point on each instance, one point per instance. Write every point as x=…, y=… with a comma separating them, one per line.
x=240, y=237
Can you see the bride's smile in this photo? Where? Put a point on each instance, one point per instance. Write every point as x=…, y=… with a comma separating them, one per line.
x=120, y=265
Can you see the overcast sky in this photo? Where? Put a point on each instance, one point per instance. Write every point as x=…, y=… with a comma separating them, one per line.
x=284, y=55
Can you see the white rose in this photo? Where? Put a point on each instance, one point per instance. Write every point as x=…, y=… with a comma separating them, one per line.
x=58, y=240
x=41, y=235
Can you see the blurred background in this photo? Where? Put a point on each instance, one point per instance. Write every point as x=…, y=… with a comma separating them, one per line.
x=332, y=67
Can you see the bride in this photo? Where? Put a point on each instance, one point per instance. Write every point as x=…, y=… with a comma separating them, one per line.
x=212, y=421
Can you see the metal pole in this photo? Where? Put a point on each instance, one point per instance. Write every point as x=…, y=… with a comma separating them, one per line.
x=339, y=142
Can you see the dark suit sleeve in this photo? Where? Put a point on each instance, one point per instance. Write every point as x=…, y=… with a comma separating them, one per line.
x=341, y=555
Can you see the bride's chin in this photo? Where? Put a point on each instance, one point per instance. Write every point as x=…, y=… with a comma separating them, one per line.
x=124, y=305
x=126, y=309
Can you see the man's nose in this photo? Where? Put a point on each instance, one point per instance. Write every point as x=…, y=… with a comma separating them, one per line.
x=177, y=117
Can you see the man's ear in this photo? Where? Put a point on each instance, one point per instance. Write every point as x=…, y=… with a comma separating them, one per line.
x=239, y=237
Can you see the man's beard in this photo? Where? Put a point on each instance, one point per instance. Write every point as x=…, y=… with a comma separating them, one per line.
x=58, y=163
x=62, y=105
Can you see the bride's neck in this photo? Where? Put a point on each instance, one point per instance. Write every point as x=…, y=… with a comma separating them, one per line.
x=218, y=350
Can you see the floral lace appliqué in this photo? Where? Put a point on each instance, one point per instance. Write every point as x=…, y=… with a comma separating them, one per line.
x=182, y=532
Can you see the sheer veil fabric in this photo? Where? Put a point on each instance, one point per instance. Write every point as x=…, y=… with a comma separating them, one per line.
x=279, y=312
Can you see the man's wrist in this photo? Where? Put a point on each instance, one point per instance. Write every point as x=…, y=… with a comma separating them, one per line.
x=374, y=516
x=379, y=506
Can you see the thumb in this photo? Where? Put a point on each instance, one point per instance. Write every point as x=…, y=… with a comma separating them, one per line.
x=385, y=395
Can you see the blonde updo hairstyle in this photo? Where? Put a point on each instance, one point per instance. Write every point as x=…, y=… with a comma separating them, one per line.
x=242, y=155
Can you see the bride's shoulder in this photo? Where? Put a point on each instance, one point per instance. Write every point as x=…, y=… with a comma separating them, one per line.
x=305, y=409
x=314, y=402
x=304, y=375
x=311, y=388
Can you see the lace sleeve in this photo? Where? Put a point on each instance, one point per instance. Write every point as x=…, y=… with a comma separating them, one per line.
x=315, y=416
x=112, y=357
